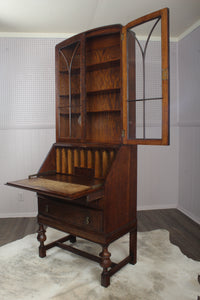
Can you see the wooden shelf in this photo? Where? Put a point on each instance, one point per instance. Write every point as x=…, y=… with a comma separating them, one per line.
x=95, y=92
x=68, y=106
x=87, y=145
x=67, y=96
x=75, y=109
x=103, y=91
x=67, y=114
x=103, y=111
x=73, y=71
x=91, y=112
x=103, y=65
x=94, y=67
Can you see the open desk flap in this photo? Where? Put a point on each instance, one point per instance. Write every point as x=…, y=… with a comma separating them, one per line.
x=57, y=188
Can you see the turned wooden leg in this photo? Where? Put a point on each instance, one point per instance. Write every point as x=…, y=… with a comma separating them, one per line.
x=41, y=238
x=72, y=238
x=105, y=263
x=133, y=246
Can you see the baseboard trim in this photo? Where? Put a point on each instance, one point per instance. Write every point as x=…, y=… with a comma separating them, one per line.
x=160, y=206
x=189, y=214
x=18, y=215
x=34, y=213
x=140, y=207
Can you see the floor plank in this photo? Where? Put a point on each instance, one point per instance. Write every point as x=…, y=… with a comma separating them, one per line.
x=184, y=232
x=12, y=229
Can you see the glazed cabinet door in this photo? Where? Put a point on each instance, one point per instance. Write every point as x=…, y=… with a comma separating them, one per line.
x=70, y=89
x=145, y=51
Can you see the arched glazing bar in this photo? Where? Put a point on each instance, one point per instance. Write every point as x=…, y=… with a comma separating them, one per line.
x=69, y=69
x=143, y=53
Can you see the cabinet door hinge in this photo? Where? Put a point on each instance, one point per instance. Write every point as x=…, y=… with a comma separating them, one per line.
x=123, y=133
x=122, y=36
x=164, y=74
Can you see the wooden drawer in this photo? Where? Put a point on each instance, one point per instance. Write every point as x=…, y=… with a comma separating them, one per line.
x=71, y=214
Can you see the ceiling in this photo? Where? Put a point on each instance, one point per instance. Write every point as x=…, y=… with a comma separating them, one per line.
x=63, y=17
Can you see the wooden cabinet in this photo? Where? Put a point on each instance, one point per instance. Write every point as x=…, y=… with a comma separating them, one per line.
x=89, y=87
x=87, y=185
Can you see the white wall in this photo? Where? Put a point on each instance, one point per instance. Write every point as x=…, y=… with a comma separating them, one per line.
x=27, y=116
x=22, y=152
x=25, y=141
x=189, y=122
x=158, y=165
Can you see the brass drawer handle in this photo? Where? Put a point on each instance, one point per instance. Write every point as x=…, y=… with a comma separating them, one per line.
x=87, y=220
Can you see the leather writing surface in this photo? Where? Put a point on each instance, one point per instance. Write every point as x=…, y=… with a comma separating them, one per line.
x=50, y=186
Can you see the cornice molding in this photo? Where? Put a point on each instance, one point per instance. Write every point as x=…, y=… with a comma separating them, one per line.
x=189, y=30
x=35, y=35
x=66, y=35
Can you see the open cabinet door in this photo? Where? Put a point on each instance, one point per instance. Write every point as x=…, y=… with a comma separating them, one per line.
x=145, y=51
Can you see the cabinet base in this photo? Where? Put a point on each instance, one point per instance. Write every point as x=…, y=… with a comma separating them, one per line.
x=109, y=267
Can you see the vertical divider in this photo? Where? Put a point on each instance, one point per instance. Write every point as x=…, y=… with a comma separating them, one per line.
x=76, y=160
x=89, y=158
x=97, y=164
x=72, y=160
x=69, y=158
x=104, y=162
x=85, y=158
x=82, y=158
x=93, y=160
x=63, y=161
x=101, y=163
x=79, y=157
x=112, y=154
x=75, y=157
x=58, y=160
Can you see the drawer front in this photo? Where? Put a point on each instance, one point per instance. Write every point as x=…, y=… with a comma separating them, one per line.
x=71, y=214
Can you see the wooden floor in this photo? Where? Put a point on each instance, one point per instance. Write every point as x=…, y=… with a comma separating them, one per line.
x=183, y=231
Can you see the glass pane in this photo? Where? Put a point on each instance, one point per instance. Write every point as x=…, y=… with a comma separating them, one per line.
x=75, y=95
x=69, y=106
x=139, y=120
x=144, y=60
x=153, y=119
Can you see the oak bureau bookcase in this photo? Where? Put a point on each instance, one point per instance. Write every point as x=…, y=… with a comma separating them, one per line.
x=110, y=96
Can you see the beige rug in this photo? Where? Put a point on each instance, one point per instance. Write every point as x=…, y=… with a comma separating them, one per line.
x=162, y=271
